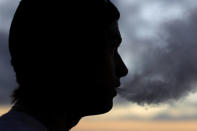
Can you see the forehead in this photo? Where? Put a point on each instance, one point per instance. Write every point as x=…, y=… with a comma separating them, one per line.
x=111, y=12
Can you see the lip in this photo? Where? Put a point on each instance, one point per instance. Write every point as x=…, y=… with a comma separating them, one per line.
x=117, y=85
x=115, y=88
x=115, y=93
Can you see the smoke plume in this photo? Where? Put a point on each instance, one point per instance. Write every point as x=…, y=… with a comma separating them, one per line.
x=166, y=65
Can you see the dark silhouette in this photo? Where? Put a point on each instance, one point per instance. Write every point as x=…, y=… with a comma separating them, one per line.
x=66, y=62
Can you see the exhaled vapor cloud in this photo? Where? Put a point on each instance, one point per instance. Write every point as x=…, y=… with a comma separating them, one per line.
x=166, y=68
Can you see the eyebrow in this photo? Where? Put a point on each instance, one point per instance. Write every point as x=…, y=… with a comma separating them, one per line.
x=112, y=13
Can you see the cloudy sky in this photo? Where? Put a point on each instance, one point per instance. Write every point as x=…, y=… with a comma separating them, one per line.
x=159, y=47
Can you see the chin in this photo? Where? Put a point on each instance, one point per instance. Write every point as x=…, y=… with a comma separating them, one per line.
x=97, y=109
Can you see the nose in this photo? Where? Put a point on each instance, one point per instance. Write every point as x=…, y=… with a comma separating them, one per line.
x=121, y=69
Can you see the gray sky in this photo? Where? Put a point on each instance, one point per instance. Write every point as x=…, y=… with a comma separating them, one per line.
x=7, y=78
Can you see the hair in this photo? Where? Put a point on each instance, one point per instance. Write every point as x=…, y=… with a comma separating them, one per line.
x=36, y=44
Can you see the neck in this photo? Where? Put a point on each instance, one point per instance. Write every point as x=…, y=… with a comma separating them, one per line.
x=53, y=120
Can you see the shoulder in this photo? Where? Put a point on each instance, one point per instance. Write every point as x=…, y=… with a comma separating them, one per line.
x=19, y=121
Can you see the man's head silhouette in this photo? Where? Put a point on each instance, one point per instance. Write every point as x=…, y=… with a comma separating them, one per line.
x=66, y=61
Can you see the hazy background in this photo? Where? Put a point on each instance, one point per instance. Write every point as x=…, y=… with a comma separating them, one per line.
x=159, y=48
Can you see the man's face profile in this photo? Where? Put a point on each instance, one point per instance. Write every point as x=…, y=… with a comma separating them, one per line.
x=105, y=76
x=77, y=70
